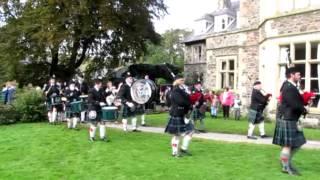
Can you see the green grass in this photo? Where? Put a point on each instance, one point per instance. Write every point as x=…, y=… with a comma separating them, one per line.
x=230, y=126
x=42, y=151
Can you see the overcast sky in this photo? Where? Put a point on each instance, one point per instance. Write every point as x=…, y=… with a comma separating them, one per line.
x=182, y=13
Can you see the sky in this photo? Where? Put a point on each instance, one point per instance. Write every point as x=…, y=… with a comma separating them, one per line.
x=183, y=13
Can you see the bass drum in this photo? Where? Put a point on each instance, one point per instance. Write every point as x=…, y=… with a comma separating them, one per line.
x=143, y=90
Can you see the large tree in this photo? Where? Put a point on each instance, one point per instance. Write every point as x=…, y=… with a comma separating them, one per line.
x=57, y=36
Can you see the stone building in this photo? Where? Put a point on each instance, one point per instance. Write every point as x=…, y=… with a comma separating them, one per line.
x=246, y=40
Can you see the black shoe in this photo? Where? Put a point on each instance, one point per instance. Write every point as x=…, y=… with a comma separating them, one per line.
x=185, y=153
x=105, y=139
x=176, y=155
x=136, y=130
x=264, y=136
x=202, y=131
x=290, y=172
x=144, y=125
x=252, y=137
x=91, y=139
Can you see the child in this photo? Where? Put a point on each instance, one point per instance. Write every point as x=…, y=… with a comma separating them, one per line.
x=214, y=106
x=237, y=107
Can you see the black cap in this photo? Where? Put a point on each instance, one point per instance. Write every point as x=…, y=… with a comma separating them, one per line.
x=257, y=83
x=291, y=70
x=72, y=82
x=198, y=82
x=98, y=79
x=127, y=75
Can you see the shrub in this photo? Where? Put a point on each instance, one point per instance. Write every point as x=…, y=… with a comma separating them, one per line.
x=29, y=104
x=8, y=115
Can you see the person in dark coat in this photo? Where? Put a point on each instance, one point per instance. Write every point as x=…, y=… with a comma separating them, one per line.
x=73, y=95
x=259, y=101
x=287, y=133
x=199, y=106
x=96, y=100
x=52, y=93
x=128, y=105
x=84, y=89
x=179, y=125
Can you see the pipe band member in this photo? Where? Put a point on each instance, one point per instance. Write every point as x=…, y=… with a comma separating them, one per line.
x=52, y=92
x=96, y=100
x=73, y=95
x=179, y=125
x=287, y=134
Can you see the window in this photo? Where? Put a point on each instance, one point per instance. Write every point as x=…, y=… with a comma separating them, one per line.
x=227, y=72
x=291, y=5
x=197, y=53
x=223, y=24
x=307, y=63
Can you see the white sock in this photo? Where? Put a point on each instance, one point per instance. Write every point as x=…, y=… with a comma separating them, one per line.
x=50, y=117
x=261, y=129
x=251, y=129
x=69, y=123
x=125, y=124
x=92, y=130
x=175, y=145
x=54, y=116
x=186, y=141
x=102, y=131
x=75, y=121
x=83, y=115
x=143, y=119
x=134, y=123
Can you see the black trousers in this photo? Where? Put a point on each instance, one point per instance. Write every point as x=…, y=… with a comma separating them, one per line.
x=226, y=110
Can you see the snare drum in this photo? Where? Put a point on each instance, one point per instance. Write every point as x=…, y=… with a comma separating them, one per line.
x=76, y=107
x=109, y=113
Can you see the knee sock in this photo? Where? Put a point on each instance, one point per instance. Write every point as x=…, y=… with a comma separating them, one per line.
x=175, y=145
x=251, y=129
x=125, y=124
x=83, y=115
x=143, y=119
x=186, y=141
x=134, y=123
x=102, y=131
x=50, y=117
x=261, y=129
x=69, y=123
x=54, y=116
x=92, y=130
x=284, y=157
x=74, y=122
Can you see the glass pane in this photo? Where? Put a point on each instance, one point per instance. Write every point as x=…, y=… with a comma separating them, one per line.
x=224, y=65
x=223, y=80
x=284, y=53
x=300, y=51
x=314, y=86
x=231, y=80
x=314, y=50
x=302, y=69
x=314, y=70
x=231, y=65
x=302, y=84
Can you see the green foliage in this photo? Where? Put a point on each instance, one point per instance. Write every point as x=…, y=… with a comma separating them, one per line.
x=62, y=34
x=8, y=114
x=29, y=106
x=170, y=50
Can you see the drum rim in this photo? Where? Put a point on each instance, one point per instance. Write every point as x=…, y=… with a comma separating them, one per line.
x=153, y=89
x=110, y=108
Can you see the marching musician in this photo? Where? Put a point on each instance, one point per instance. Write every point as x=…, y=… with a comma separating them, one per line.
x=287, y=133
x=259, y=101
x=96, y=100
x=72, y=94
x=179, y=125
x=84, y=89
x=52, y=92
x=129, y=107
x=110, y=93
x=199, y=106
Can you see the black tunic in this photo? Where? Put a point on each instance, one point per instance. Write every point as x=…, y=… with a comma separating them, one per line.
x=180, y=102
x=258, y=100
x=94, y=99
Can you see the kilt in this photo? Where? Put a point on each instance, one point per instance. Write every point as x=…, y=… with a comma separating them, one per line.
x=177, y=126
x=287, y=134
x=127, y=112
x=140, y=109
x=255, y=117
x=98, y=118
x=50, y=106
x=197, y=115
x=70, y=114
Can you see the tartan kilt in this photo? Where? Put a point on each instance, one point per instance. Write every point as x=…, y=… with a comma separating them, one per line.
x=127, y=112
x=140, y=109
x=255, y=117
x=70, y=114
x=177, y=126
x=287, y=134
x=197, y=115
x=50, y=106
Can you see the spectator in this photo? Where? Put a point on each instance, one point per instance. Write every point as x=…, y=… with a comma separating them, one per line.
x=226, y=99
x=237, y=107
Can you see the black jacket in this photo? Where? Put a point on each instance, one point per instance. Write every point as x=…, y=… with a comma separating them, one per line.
x=258, y=100
x=124, y=94
x=94, y=99
x=72, y=95
x=291, y=106
x=51, y=91
x=180, y=102
x=83, y=87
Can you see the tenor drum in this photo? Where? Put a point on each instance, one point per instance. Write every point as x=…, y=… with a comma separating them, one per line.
x=76, y=107
x=143, y=91
x=109, y=113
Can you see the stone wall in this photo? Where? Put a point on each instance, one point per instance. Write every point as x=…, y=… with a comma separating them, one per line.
x=249, y=13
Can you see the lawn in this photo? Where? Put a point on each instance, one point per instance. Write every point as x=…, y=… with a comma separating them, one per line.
x=230, y=126
x=42, y=151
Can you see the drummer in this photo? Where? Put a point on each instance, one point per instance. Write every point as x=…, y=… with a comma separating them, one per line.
x=52, y=93
x=83, y=88
x=129, y=107
x=73, y=95
x=96, y=101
